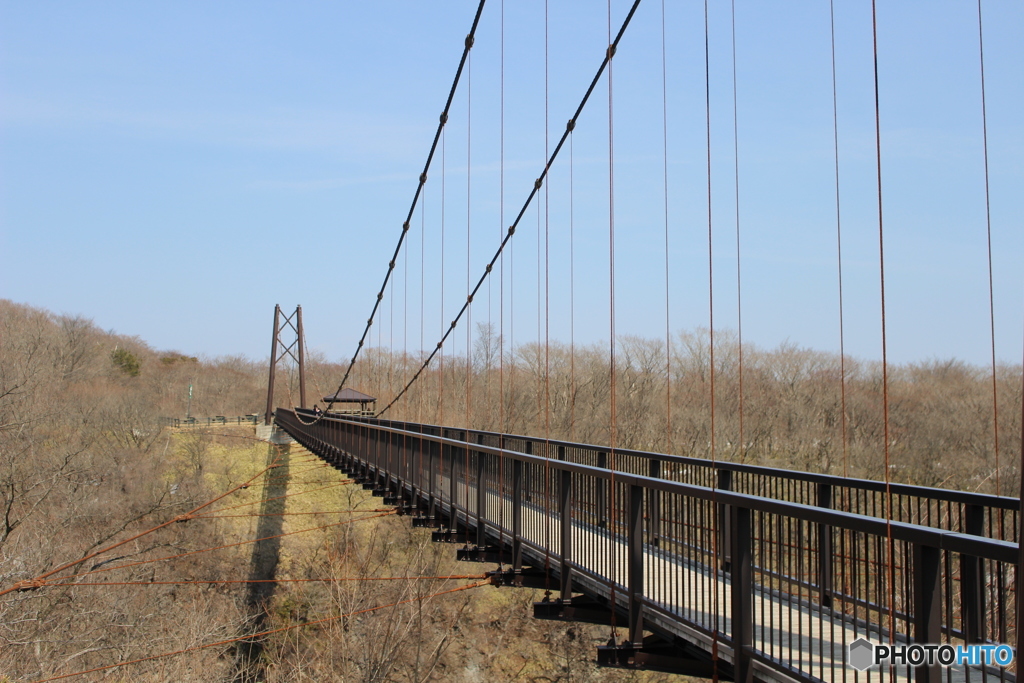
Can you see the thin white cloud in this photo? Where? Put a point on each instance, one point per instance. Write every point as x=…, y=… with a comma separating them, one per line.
x=332, y=183
x=281, y=128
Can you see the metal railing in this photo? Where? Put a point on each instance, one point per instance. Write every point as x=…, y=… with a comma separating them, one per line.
x=778, y=585
x=967, y=512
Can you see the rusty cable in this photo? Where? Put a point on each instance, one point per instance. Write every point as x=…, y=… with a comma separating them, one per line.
x=210, y=582
x=611, y=323
x=90, y=556
x=262, y=634
x=287, y=495
x=501, y=303
x=664, y=158
x=885, y=362
x=291, y=514
x=716, y=551
x=228, y=545
x=547, y=330
x=469, y=275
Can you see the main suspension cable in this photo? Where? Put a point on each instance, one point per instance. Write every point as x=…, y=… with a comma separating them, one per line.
x=468, y=45
x=529, y=199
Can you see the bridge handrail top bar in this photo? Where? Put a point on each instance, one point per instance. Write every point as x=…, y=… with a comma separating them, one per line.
x=945, y=495
x=975, y=546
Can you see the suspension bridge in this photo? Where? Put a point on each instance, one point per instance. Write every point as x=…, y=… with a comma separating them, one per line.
x=698, y=565
x=698, y=560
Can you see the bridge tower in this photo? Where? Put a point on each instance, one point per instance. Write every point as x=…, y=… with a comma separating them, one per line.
x=295, y=350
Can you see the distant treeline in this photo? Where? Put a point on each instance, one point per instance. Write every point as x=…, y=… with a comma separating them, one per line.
x=789, y=413
x=84, y=458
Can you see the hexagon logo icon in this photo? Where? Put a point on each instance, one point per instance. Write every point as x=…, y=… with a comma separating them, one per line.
x=861, y=654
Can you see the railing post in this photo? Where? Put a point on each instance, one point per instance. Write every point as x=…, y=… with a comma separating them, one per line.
x=635, y=570
x=825, y=548
x=565, y=506
x=481, y=494
x=742, y=593
x=376, y=456
x=517, y=514
x=972, y=579
x=417, y=472
x=528, y=475
x=446, y=454
x=654, y=504
x=725, y=528
x=384, y=465
x=927, y=606
x=601, y=493
x=453, y=491
x=364, y=447
x=407, y=455
x=565, y=530
x=390, y=458
x=433, y=449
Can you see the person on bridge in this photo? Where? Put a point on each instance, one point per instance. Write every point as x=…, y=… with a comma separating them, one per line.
x=316, y=409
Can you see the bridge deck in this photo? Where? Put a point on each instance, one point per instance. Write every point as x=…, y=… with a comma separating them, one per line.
x=668, y=556
x=806, y=635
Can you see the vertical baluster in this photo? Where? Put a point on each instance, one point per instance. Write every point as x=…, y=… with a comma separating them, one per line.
x=565, y=505
x=481, y=493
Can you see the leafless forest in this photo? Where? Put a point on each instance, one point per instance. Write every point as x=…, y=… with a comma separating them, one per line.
x=84, y=462
x=789, y=412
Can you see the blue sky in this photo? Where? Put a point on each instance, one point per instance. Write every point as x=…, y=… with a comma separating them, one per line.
x=173, y=170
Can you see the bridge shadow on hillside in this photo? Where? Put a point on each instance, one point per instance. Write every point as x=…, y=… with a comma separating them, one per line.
x=263, y=568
